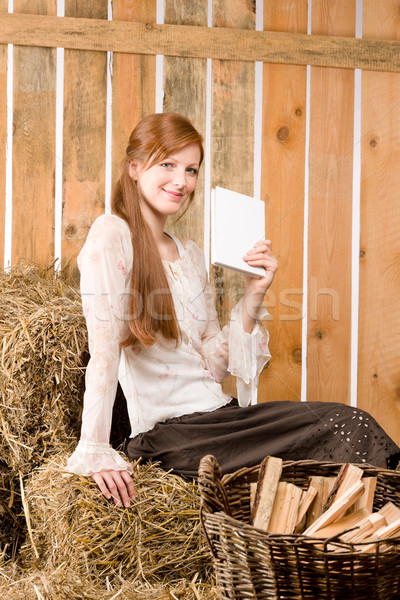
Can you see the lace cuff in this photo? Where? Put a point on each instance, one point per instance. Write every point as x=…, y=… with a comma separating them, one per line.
x=248, y=354
x=91, y=457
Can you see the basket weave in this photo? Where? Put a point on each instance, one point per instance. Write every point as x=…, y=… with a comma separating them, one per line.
x=250, y=563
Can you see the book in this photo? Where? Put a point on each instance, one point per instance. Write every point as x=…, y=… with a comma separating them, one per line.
x=237, y=224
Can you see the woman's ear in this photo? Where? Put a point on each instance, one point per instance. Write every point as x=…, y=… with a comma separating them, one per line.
x=133, y=170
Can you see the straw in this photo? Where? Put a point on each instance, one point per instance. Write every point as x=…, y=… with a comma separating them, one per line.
x=13, y=525
x=157, y=539
x=43, y=353
x=66, y=584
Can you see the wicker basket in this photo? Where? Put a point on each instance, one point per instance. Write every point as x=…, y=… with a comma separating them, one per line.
x=250, y=563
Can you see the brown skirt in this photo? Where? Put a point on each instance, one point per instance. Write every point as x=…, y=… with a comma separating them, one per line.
x=242, y=437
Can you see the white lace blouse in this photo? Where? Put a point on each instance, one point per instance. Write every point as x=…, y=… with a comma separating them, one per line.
x=162, y=381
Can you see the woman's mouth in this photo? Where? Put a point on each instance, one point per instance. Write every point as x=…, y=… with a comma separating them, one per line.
x=175, y=195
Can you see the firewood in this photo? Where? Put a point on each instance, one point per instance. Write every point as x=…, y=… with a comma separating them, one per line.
x=389, y=531
x=270, y=473
x=367, y=498
x=285, y=509
x=323, y=485
x=347, y=476
x=338, y=508
x=253, y=489
x=390, y=512
x=344, y=523
x=305, y=503
x=366, y=528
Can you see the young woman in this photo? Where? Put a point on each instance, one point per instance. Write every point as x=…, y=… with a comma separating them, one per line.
x=152, y=325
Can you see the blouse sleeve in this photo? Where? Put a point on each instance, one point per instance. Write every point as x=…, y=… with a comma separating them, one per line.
x=103, y=266
x=233, y=350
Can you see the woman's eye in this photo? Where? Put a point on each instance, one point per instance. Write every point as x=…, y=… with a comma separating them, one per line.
x=192, y=171
x=166, y=164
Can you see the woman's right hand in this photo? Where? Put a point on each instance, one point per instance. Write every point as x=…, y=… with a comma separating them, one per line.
x=117, y=485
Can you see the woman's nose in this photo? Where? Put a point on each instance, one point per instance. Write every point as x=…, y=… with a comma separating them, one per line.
x=179, y=178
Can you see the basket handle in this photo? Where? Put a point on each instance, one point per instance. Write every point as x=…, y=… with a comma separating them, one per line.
x=213, y=497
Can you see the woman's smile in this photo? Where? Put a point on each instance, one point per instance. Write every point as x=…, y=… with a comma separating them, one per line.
x=173, y=194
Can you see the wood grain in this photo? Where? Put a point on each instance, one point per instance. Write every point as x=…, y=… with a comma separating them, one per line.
x=185, y=89
x=232, y=142
x=282, y=189
x=133, y=81
x=3, y=132
x=330, y=215
x=34, y=102
x=179, y=40
x=379, y=309
x=84, y=139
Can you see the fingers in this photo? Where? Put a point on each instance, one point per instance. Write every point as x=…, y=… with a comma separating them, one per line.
x=261, y=256
x=129, y=484
x=117, y=485
x=264, y=247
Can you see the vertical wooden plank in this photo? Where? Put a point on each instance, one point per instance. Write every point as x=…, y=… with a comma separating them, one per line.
x=85, y=86
x=330, y=214
x=185, y=88
x=379, y=321
x=282, y=189
x=34, y=145
x=232, y=143
x=133, y=81
x=3, y=133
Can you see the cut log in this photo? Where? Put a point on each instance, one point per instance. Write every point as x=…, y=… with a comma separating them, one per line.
x=285, y=509
x=253, y=489
x=389, y=531
x=306, y=500
x=346, y=522
x=323, y=485
x=270, y=474
x=367, y=499
x=390, y=512
x=338, y=508
x=347, y=476
x=367, y=527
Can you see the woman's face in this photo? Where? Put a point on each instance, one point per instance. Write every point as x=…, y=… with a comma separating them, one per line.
x=165, y=186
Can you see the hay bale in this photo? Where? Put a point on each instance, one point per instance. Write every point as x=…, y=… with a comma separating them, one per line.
x=13, y=529
x=43, y=356
x=66, y=584
x=157, y=540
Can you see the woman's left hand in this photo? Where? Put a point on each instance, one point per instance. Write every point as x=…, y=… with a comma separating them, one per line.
x=259, y=256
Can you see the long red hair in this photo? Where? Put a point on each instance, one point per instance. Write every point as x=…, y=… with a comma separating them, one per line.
x=154, y=138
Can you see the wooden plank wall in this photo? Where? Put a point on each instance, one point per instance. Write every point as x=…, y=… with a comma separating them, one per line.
x=330, y=213
x=133, y=81
x=283, y=151
x=34, y=105
x=232, y=142
x=287, y=132
x=185, y=89
x=84, y=137
x=379, y=333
